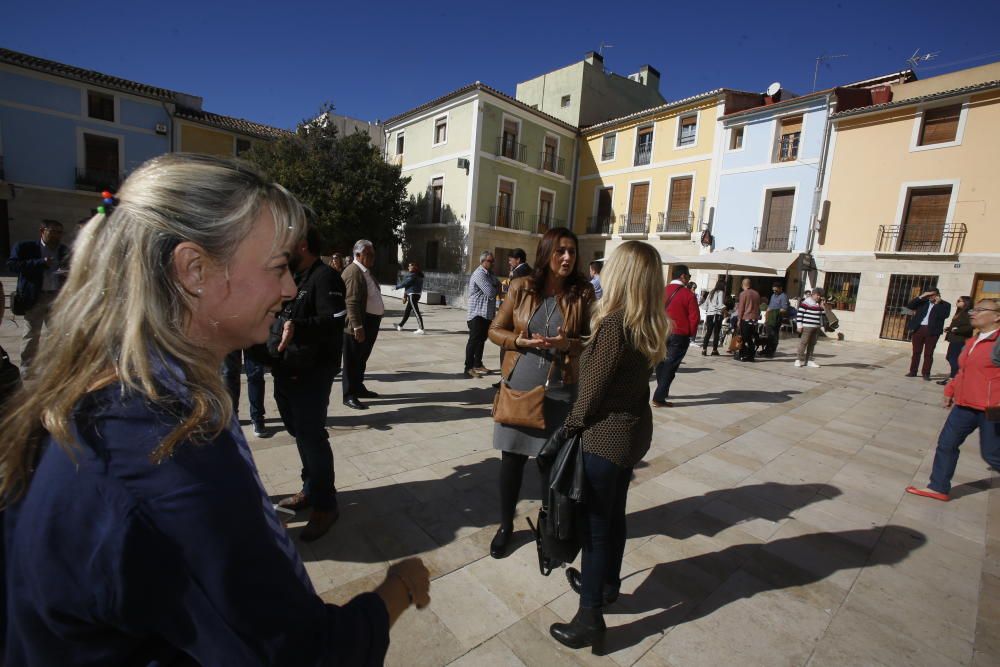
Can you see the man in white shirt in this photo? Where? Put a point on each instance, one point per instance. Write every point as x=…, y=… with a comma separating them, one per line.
x=364, y=315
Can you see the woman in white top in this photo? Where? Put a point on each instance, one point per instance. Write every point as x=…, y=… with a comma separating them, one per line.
x=714, y=307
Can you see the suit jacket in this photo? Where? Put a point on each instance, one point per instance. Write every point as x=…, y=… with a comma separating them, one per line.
x=356, y=296
x=520, y=271
x=26, y=260
x=935, y=325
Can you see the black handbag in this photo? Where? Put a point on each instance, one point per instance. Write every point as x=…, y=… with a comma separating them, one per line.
x=10, y=377
x=558, y=534
x=20, y=302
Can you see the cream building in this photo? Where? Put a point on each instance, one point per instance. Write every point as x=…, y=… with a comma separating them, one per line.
x=911, y=198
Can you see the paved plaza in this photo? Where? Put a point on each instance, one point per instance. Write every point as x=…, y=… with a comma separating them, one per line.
x=767, y=525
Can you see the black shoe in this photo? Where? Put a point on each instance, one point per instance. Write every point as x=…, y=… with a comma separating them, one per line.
x=586, y=629
x=704, y=351
x=944, y=381
x=575, y=580
x=927, y=377
x=355, y=404
x=367, y=393
x=715, y=353
x=911, y=375
x=498, y=547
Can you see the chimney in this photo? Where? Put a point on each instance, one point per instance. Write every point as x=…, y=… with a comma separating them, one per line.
x=650, y=77
x=881, y=94
x=594, y=58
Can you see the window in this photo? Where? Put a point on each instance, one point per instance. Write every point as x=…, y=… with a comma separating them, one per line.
x=545, y=207
x=777, y=233
x=736, y=138
x=924, y=219
x=842, y=290
x=100, y=159
x=509, y=146
x=100, y=106
x=985, y=286
x=788, y=140
x=679, y=216
x=550, y=158
x=564, y=102
x=687, y=130
x=399, y=144
x=601, y=223
x=505, y=204
x=440, y=130
x=643, y=145
x=242, y=146
x=431, y=255
x=940, y=125
x=636, y=222
x=436, y=192
x=608, y=146
x=902, y=290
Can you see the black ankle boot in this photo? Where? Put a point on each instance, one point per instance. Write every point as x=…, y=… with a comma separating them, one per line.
x=586, y=629
x=575, y=580
x=498, y=547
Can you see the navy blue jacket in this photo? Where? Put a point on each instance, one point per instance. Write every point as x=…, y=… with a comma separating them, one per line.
x=26, y=260
x=413, y=283
x=114, y=560
x=935, y=325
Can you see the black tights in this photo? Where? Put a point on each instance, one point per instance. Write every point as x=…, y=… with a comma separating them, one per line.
x=511, y=474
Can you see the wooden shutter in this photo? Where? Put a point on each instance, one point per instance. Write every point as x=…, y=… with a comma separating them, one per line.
x=940, y=125
x=779, y=216
x=791, y=125
x=640, y=198
x=680, y=196
x=926, y=212
x=437, y=188
x=689, y=120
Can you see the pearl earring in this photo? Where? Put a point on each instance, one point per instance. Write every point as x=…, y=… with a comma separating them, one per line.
x=200, y=290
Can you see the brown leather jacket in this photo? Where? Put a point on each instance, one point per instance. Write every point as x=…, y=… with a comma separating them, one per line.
x=521, y=303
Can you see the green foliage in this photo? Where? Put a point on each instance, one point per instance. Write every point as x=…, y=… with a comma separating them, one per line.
x=353, y=191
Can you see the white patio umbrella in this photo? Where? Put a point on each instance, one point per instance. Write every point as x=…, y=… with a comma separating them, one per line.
x=728, y=260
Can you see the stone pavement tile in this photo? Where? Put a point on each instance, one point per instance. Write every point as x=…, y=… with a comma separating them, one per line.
x=652, y=659
x=854, y=638
x=794, y=428
x=529, y=639
x=344, y=593
x=446, y=519
x=813, y=554
x=853, y=430
x=493, y=653
x=362, y=502
x=419, y=636
x=753, y=515
x=517, y=582
x=470, y=611
x=967, y=524
x=398, y=536
x=455, y=555
x=746, y=618
x=940, y=538
x=714, y=471
x=885, y=581
x=903, y=462
x=987, y=635
x=758, y=444
x=932, y=563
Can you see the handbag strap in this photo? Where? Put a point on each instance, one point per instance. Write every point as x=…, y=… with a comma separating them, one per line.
x=548, y=376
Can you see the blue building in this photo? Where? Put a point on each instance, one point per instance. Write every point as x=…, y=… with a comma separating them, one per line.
x=67, y=133
x=770, y=174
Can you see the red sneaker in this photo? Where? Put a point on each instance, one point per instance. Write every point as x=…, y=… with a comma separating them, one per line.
x=928, y=493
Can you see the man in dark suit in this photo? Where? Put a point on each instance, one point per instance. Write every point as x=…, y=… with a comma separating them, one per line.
x=365, y=309
x=930, y=312
x=42, y=267
x=303, y=377
x=518, y=262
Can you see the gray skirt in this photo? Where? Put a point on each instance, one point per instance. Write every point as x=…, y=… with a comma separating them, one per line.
x=529, y=441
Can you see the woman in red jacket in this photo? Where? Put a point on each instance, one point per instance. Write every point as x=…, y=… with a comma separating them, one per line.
x=976, y=387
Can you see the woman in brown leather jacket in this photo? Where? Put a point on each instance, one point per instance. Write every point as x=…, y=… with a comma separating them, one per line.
x=540, y=325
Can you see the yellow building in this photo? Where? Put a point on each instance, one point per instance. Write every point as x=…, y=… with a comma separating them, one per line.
x=197, y=131
x=912, y=196
x=649, y=175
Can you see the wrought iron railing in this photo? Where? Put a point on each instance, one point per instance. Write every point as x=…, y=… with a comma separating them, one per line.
x=600, y=224
x=509, y=148
x=97, y=179
x=921, y=238
x=552, y=162
x=763, y=241
x=675, y=222
x=541, y=223
x=643, y=154
x=508, y=218
x=633, y=223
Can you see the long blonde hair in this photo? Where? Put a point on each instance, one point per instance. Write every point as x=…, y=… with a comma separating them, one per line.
x=122, y=314
x=632, y=281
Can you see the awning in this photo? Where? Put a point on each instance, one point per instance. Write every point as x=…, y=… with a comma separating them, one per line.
x=743, y=263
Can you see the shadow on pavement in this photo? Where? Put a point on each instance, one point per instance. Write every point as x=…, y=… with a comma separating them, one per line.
x=692, y=588
x=738, y=396
x=411, y=414
x=411, y=376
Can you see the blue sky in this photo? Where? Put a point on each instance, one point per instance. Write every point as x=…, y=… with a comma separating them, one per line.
x=275, y=63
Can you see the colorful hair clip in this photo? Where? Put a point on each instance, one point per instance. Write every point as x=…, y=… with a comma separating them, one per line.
x=108, y=204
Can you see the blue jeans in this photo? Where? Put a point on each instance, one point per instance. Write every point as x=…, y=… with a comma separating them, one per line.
x=677, y=347
x=962, y=421
x=954, y=350
x=604, y=536
x=255, y=383
x=303, y=403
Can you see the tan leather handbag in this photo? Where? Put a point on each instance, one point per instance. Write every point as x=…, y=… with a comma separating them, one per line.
x=512, y=407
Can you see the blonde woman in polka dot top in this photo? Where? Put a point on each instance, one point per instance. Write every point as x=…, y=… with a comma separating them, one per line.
x=612, y=409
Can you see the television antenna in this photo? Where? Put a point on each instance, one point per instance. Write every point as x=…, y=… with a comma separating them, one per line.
x=600, y=51
x=915, y=60
x=822, y=59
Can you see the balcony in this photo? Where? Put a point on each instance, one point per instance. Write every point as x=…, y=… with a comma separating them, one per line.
x=777, y=241
x=921, y=239
x=633, y=223
x=643, y=155
x=675, y=222
x=508, y=218
x=97, y=179
x=509, y=148
x=552, y=163
x=607, y=155
x=600, y=224
x=540, y=223
x=396, y=160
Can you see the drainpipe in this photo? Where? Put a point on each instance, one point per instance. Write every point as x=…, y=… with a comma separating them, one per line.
x=170, y=128
x=572, y=183
x=818, y=192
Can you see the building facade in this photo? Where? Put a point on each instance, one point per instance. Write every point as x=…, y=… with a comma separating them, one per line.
x=650, y=175
x=197, y=131
x=913, y=191
x=487, y=172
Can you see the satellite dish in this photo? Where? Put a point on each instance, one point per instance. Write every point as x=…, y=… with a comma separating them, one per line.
x=773, y=89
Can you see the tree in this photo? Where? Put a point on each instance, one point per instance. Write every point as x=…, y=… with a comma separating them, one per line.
x=353, y=191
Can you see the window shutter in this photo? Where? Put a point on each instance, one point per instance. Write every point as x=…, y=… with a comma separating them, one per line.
x=680, y=195
x=640, y=197
x=779, y=217
x=791, y=125
x=940, y=125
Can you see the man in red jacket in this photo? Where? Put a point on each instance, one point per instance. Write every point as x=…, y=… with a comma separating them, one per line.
x=682, y=310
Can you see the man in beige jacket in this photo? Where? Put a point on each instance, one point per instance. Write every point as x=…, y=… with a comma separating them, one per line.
x=365, y=309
